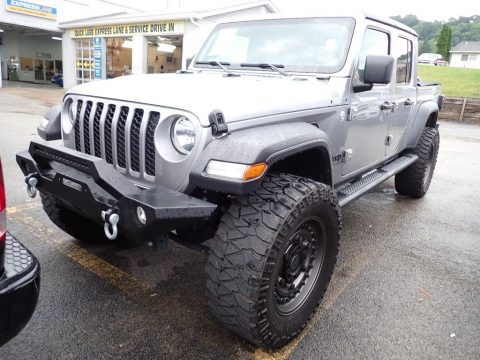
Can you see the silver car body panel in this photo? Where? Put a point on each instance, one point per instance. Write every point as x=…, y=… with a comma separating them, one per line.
x=353, y=122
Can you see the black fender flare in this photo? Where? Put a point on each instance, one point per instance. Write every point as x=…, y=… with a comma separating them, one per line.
x=51, y=127
x=268, y=144
x=426, y=115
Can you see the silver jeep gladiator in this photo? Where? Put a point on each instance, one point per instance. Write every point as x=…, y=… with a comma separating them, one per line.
x=276, y=124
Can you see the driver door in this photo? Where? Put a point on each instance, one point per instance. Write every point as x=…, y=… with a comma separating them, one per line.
x=367, y=125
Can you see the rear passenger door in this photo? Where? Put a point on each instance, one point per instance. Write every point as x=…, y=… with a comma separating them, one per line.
x=404, y=94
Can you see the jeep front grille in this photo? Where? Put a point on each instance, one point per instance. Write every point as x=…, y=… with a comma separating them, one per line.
x=122, y=135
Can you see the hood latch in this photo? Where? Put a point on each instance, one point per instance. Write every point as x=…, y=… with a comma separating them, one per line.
x=217, y=123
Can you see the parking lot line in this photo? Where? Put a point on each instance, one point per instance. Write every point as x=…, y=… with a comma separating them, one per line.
x=111, y=274
x=128, y=284
x=25, y=206
x=342, y=277
x=134, y=288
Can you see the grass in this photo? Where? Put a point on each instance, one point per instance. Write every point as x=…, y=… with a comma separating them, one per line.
x=457, y=82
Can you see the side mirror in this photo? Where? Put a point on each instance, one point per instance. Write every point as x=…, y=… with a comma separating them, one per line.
x=378, y=70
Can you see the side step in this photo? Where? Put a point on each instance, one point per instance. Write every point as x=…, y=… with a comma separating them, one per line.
x=351, y=191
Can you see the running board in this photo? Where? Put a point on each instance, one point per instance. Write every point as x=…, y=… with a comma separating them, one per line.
x=351, y=191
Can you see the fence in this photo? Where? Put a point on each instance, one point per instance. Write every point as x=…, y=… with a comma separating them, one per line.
x=459, y=109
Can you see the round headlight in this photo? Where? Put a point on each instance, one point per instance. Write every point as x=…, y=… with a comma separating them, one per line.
x=183, y=135
x=72, y=111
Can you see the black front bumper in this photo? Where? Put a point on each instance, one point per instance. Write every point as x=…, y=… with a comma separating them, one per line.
x=19, y=289
x=89, y=186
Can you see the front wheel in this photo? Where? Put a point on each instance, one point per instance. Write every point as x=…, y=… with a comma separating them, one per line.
x=272, y=258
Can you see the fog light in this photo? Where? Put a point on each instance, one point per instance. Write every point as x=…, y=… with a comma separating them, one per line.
x=142, y=216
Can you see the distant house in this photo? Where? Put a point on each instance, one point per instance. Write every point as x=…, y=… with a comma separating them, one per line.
x=466, y=55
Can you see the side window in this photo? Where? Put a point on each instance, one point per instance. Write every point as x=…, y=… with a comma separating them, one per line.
x=375, y=42
x=404, y=61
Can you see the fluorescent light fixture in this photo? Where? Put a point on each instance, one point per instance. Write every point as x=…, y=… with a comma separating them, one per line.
x=166, y=48
x=56, y=38
x=127, y=44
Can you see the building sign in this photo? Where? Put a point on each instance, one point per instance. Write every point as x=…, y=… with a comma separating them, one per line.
x=28, y=8
x=157, y=28
x=43, y=55
x=98, y=45
x=85, y=64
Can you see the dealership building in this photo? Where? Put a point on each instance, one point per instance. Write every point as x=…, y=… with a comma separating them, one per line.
x=30, y=41
x=123, y=41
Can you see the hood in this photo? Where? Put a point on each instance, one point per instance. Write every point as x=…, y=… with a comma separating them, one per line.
x=238, y=97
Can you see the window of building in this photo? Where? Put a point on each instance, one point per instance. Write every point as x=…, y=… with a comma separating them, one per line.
x=58, y=67
x=26, y=64
x=164, y=54
x=404, y=61
x=84, y=61
x=375, y=42
x=119, y=57
x=472, y=57
x=464, y=57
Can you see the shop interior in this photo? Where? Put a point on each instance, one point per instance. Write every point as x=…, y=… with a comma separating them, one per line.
x=164, y=55
x=29, y=54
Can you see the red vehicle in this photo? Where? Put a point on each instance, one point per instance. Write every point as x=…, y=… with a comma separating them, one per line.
x=19, y=278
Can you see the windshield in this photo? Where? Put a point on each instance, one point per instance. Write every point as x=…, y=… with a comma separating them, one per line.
x=317, y=45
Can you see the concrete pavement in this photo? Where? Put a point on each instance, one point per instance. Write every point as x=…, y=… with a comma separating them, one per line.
x=406, y=283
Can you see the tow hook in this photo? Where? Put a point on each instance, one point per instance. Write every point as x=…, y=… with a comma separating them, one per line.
x=32, y=182
x=111, y=219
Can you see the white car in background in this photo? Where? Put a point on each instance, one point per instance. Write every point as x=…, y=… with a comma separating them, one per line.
x=432, y=59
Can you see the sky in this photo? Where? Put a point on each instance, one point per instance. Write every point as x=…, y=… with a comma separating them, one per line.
x=424, y=9
x=428, y=10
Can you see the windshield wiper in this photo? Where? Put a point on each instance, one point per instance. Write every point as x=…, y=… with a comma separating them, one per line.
x=222, y=65
x=276, y=67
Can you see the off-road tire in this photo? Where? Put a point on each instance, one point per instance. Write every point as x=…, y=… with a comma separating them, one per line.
x=415, y=180
x=246, y=263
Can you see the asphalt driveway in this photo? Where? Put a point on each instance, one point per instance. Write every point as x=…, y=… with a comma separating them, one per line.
x=407, y=282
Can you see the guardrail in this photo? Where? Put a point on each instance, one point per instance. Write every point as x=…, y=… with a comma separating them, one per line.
x=460, y=109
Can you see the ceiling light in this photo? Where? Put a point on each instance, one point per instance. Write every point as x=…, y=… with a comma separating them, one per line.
x=166, y=48
x=56, y=38
x=127, y=44
x=1, y=30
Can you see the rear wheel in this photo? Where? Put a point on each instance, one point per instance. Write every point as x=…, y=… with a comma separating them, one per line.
x=272, y=258
x=415, y=180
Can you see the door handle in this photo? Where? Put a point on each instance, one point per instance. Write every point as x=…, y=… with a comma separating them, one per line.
x=409, y=102
x=387, y=106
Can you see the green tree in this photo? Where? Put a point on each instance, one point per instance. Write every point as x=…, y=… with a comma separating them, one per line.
x=444, y=41
x=449, y=44
x=464, y=28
